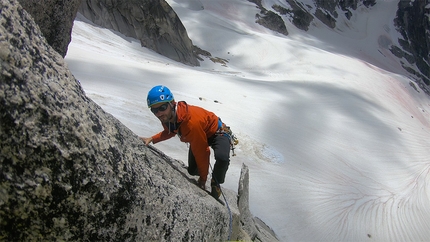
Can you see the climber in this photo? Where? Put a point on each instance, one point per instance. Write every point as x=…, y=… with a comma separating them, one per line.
x=196, y=126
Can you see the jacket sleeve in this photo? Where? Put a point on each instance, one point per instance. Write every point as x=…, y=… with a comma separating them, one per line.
x=163, y=135
x=199, y=147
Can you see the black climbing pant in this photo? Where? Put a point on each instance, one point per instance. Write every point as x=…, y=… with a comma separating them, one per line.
x=221, y=147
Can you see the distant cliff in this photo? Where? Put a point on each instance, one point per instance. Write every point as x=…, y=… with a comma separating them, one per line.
x=153, y=22
x=69, y=171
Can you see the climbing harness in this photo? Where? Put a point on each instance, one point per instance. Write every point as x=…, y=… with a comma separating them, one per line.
x=225, y=130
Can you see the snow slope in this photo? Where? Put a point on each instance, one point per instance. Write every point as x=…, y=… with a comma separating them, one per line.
x=335, y=137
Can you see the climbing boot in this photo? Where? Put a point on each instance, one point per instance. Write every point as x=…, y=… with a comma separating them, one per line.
x=216, y=190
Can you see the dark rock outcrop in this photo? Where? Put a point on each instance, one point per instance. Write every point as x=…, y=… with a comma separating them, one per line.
x=301, y=18
x=413, y=23
x=55, y=19
x=71, y=172
x=153, y=22
x=269, y=19
x=326, y=11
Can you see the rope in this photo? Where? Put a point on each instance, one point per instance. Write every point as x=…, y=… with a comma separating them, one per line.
x=226, y=203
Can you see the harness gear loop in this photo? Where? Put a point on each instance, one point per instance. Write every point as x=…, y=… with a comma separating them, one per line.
x=225, y=130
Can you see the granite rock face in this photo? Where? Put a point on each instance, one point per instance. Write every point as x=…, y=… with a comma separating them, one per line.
x=71, y=172
x=153, y=22
x=55, y=19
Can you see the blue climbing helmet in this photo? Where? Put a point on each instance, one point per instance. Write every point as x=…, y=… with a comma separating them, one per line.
x=159, y=94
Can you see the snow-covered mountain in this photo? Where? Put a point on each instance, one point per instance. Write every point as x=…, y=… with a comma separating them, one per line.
x=158, y=27
x=333, y=129
x=411, y=21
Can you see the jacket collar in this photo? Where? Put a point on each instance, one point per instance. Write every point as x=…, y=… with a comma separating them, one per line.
x=182, y=113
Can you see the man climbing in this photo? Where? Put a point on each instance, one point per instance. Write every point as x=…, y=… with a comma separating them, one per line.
x=196, y=126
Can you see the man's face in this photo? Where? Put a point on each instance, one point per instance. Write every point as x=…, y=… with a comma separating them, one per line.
x=162, y=111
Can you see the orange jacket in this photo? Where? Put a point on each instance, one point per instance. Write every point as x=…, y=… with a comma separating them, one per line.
x=196, y=125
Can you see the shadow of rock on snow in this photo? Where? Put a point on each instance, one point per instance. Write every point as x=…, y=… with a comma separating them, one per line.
x=71, y=171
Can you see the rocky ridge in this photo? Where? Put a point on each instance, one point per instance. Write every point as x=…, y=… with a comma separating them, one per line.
x=153, y=22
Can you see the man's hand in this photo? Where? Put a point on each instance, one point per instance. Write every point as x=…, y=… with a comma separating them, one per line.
x=147, y=141
x=201, y=184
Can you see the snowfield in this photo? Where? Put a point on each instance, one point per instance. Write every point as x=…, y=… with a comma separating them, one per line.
x=334, y=132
